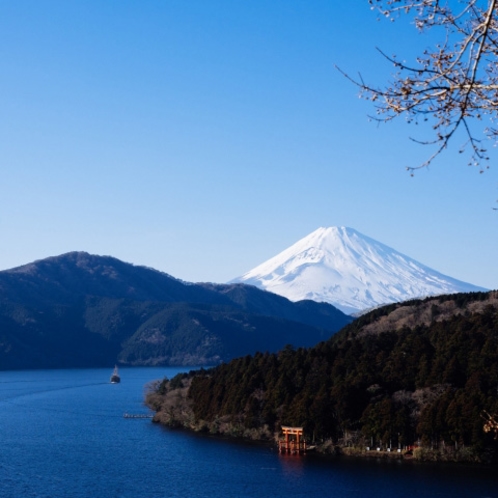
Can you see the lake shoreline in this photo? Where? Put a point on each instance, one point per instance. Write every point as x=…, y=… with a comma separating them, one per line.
x=64, y=434
x=328, y=450
x=173, y=409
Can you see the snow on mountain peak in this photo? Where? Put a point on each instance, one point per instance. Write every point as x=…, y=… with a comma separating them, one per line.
x=353, y=272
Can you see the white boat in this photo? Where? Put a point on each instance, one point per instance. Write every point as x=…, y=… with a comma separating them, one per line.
x=115, y=378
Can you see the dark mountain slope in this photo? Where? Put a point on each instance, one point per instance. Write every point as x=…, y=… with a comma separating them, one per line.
x=255, y=300
x=83, y=310
x=210, y=335
x=423, y=371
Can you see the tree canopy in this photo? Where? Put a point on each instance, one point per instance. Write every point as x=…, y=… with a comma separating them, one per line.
x=422, y=372
x=452, y=86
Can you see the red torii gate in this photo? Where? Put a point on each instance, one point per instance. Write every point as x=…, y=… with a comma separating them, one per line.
x=294, y=442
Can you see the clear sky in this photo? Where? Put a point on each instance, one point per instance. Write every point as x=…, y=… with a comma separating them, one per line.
x=203, y=137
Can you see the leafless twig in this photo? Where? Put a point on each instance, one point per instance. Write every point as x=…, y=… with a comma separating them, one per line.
x=453, y=86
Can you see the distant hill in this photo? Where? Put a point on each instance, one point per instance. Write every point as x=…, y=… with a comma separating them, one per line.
x=82, y=310
x=422, y=372
x=342, y=267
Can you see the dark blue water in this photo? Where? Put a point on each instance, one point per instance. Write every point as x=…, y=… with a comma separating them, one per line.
x=62, y=434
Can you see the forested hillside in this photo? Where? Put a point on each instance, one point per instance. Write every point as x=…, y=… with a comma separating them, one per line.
x=421, y=373
x=81, y=310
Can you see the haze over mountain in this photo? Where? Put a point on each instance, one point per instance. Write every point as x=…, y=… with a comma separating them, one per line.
x=349, y=270
x=82, y=310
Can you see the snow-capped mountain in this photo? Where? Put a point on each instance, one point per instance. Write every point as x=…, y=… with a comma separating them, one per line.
x=340, y=266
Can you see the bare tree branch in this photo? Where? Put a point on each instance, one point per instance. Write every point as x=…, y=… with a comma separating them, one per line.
x=454, y=86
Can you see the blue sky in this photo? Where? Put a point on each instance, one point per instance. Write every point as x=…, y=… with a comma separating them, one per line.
x=202, y=137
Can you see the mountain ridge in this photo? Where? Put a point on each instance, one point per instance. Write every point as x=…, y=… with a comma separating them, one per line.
x=83, y=310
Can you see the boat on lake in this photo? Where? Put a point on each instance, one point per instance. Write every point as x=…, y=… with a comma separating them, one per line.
x=115, y=378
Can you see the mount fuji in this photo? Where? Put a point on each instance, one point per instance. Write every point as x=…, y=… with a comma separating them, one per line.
x=349, y=270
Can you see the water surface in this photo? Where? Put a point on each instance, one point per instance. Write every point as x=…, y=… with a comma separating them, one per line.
x=62, y=434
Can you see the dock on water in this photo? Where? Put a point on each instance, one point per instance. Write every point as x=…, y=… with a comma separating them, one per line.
x=138, y=415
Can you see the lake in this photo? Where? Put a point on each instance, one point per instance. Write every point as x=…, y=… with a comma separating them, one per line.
x=63, y=434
